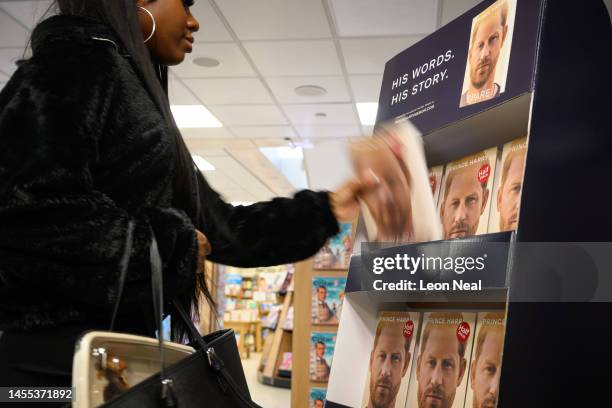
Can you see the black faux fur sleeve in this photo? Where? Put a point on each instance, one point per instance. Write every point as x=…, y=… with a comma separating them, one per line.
x=275, y=232
x=58, y=231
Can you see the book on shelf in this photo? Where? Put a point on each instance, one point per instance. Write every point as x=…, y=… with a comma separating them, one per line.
x=508, y=186
x=465, y=196
x=390, y=359
x=442, y=355
x=285, y=367
x=322, y=346
x=316, y=398
x=327, y=295
x=485, y=366
x=336, y=252
x=435, y=181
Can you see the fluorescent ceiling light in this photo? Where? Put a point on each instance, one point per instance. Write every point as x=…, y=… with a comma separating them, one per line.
x=202, y=164
x=286, y=152
x=235, y=203
x=194, y=116
x=367, y=112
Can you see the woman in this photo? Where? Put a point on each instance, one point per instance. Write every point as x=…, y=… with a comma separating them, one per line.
x=88, y=148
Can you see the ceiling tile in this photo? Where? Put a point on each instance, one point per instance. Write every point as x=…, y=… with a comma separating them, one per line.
x=369, y=56
x=272, y=142
x=316, y=132
x=213, y=133
x=27, y=13
x=233, y=62
x=8, y=58
x=179, y=94
x=210, y=152
x=259, y=165
x=223, y=91
x=336, y=114
x=240, y=175
x=249, y=115
x=367, y=130
x=197, y=145
x=267, y=132
x=239, y=195
x=452, y=9
x=276, y=58
x=384, y=17
x=284, y=89
x=211, y=27
x=366, y=88
x=219, y=180
x=13, y=34
x=276, y=19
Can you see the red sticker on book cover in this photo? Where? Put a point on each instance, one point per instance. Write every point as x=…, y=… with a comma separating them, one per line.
x=463, y=332
x=408, y=329
x=484, y=173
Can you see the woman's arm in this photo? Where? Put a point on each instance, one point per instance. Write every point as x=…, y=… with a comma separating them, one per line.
x=274, y=232
x=279, y=231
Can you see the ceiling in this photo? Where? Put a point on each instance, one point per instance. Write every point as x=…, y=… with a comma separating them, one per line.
x=267, y=48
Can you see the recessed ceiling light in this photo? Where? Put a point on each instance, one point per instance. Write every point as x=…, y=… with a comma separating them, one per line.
x=367, y=112
x=321, y=115
x=310, y=90
x=202, y=163
x=194, y=116
x=206, y=62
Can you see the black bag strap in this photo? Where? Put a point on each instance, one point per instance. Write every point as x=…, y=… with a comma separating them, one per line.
x=167, y=391
x=213, y=359
x=123, y=267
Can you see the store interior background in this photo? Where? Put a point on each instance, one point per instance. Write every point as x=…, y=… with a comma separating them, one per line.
x=267, y=101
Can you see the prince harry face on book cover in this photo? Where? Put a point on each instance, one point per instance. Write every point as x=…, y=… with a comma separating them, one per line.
x=487, y=41
x=441, y=364
x=463, y=203
x=389, y=361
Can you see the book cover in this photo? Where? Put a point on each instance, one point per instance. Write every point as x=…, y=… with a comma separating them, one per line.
x=391, y=359
x=439, y=375
x=394, y=157
x=488, y=56
x=435, y=181
x=327, y=298
x=321, y=353
x=465, y=196
x=317, y=398
x=286, y=365
x=485, y=367
x=508, y=186
x=336, y=253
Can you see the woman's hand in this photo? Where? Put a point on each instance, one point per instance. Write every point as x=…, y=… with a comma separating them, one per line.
x=389, y=202
x=344, y=201
x=204, y=249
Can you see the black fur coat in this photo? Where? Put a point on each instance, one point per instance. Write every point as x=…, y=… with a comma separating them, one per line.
x=84, y=150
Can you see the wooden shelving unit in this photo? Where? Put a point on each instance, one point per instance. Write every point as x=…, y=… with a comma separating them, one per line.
x=303, y=327
x=277, y=343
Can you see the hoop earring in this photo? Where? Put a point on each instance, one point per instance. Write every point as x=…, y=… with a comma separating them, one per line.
x=152, y=19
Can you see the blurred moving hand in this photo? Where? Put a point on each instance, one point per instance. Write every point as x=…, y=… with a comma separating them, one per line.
x=389, y=200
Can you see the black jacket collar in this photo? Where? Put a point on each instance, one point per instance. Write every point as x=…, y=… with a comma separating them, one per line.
x=57, y=30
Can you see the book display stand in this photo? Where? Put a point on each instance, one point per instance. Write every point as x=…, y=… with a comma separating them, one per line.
x=551, y=87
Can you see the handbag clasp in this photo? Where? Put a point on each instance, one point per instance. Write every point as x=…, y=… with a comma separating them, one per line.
x=213, y=360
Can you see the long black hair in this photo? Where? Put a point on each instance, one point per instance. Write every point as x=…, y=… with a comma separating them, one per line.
x=121, y=17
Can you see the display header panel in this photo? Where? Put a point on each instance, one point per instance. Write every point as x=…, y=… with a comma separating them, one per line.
x=477, y=61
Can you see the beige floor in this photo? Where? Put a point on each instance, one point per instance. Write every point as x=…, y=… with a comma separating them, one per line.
x=264, y=395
